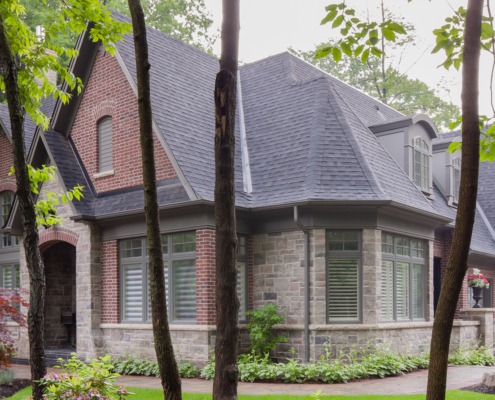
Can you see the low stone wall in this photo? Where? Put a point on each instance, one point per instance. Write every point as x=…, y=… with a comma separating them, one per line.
x=191, y=343
x=411, y=338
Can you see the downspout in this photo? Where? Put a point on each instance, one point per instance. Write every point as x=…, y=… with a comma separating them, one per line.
x=303, y=228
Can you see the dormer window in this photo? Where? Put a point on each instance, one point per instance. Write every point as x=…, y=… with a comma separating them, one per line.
x=105, y=158
x=421, y=164
x=456, y=163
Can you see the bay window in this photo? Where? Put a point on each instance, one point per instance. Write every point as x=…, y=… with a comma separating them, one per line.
x=343, y=276
x=403, y=278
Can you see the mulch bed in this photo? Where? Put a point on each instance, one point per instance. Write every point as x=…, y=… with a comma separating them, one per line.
x=481, y=389
x=9, y=389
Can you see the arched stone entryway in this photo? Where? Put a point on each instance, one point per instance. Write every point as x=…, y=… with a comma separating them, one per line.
x=59, y=258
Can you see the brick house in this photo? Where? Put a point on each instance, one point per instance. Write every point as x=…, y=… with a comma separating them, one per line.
x=345, y=208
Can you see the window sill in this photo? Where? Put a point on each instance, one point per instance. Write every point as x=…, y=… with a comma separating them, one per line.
x=104, y=174
x=140, y=326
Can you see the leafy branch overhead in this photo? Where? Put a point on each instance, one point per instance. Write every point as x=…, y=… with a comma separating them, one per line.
x=450, y=38
x=46, y=208
x=359, y=38
x=36, y=55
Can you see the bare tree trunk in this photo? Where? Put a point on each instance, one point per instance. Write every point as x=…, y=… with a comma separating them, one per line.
x=454, y=277
x=227, y=304
x=169, y=372
x=31, y=240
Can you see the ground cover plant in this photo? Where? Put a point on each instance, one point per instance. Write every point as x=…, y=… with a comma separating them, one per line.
x=155, y=394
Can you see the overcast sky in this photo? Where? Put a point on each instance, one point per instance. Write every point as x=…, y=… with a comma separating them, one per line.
x=271, y=26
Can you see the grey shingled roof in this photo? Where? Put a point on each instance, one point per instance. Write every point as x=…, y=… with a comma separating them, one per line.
x=29, y=126
x=306, y=131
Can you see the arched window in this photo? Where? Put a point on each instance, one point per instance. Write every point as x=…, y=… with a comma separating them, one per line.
x=6, y=199
x=456, y=177
x=105, y=158
x=421, y=169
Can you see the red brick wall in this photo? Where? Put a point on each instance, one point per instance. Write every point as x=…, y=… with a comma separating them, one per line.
x=205, y=276
x=6, y=161
x=110, y=282
x=109, y=93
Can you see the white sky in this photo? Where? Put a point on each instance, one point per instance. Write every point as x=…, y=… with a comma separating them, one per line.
x=271, y=26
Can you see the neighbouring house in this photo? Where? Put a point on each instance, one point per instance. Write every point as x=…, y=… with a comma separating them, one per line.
x=345, y=209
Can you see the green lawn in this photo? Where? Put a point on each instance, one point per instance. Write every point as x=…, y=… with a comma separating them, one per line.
x=153, y=394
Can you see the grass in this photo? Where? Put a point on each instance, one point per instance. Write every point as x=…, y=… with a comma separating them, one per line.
x=154, y=394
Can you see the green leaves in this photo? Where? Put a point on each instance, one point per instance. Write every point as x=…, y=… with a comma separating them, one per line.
x=360, y=38
x=46, y=206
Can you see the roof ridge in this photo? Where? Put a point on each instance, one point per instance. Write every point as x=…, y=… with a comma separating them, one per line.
x=364, y=163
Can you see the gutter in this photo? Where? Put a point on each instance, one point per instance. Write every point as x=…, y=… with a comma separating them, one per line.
x=303, y=228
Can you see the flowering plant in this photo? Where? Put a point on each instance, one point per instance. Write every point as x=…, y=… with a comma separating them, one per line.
x=478, y=280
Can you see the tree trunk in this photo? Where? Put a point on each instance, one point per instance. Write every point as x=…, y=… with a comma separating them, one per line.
x=457, y=267
x=169, y=372
x=227, y=304
x=31, y=239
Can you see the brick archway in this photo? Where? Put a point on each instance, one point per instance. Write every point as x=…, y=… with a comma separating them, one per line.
x=7, y=185
x=57, y=234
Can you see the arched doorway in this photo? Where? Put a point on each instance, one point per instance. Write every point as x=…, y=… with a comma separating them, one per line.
x=59, y=259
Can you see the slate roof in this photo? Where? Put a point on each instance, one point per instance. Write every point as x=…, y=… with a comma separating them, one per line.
x=29, y=126
x=306, y=131
x=482, y=240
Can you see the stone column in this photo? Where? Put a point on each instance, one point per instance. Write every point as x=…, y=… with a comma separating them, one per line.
x=485, y=317
x=371, y=270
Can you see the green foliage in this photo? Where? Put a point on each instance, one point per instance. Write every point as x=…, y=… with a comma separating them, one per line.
x=187, y=20
x=46, y=208
x=260, y=329
x=130, y=365
x=359, y=38
x=379, y=362
x=450, y=37
x=36, y=55
x=80, y=380
x=480, y=355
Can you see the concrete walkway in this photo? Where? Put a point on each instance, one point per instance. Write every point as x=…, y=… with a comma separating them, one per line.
x=414, y=382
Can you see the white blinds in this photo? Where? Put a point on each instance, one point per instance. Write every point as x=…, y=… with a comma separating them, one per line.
x=343, y=289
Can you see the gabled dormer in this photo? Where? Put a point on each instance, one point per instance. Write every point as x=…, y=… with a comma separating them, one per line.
x=409, y=142
x=447, y=167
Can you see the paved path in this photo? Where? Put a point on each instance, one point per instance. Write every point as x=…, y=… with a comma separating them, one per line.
x=414, y=382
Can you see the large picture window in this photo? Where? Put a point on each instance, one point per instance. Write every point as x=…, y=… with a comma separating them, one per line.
x=179, y=256
x=421, y=164
x=402, y=278
x=343, y=276
x=457, y=178
x=6, y=199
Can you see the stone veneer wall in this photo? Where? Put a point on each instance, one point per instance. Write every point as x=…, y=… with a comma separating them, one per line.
x=88, y=275
x=278, y=278
x=191, y=342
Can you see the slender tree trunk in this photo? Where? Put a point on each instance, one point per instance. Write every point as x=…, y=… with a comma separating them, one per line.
x=227, y=304
x=454, y=277
x=31, y=239
x=169, y=372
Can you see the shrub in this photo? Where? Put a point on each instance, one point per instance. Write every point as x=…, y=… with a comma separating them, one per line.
x=480, y=355
x=10, y=310
x=83, y=381
x=131, y=365
x=260, y=329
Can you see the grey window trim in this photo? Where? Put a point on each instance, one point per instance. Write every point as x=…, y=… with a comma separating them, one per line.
x=105, y=135
x=410, y=260
x=423, y=151
x=456, y=169
x=14, y=266
x=345, y=254
x=168, y=259
x=6, y=199
x=243, y=258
